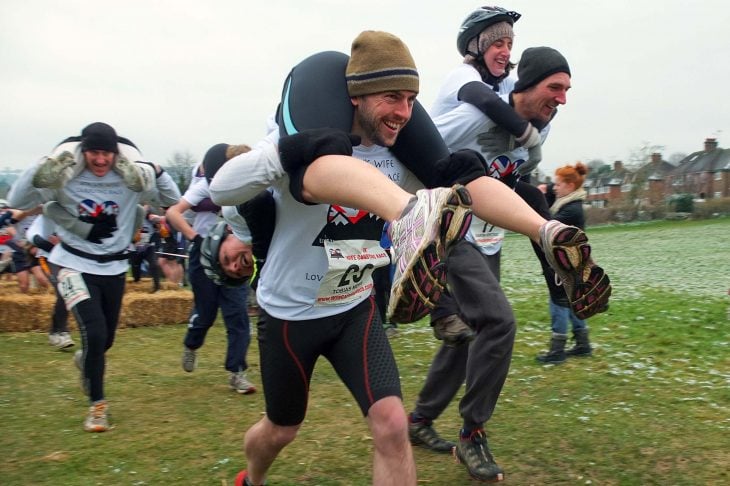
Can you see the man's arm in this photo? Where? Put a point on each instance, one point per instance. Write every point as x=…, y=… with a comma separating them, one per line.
x=175, y=218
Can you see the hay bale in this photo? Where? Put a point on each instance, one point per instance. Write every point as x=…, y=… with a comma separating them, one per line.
x=32, y=312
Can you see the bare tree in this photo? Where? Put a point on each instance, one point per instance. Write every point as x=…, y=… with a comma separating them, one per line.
x=641, y=155
x=180, y=168
x=676, y=158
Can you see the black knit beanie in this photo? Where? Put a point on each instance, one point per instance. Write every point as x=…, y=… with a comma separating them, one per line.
x=214, y=159
x=99, y=136
x=536, y=64
x=379, y=62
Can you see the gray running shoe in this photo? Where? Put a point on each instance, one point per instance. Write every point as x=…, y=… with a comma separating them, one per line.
x=240, y=384
x=189, y=359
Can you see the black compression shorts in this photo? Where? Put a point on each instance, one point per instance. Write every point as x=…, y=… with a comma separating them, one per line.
x=354, y=342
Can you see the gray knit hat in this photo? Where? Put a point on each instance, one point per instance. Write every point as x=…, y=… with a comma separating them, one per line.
x=489, y=36
x=536, y=64
x=379, y=62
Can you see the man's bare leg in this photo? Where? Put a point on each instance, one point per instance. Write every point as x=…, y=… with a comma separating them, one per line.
x=393, y=462
x=262, y=444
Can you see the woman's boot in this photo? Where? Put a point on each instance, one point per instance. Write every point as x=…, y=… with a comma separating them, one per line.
x=582, y=344
x=556, y=354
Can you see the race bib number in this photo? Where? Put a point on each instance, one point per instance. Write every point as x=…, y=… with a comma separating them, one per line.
x=487, y=236
x=72, y=287
x=350, y=270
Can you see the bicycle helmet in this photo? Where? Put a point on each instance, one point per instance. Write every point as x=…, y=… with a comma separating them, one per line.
x=479, y=20
x=209, y=254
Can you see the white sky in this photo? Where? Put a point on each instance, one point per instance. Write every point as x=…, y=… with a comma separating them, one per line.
x=182, y=75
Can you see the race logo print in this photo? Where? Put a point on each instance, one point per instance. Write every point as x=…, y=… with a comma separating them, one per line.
x=349, y=224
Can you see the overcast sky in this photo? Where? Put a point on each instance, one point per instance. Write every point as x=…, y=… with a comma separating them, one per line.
x=182, y=75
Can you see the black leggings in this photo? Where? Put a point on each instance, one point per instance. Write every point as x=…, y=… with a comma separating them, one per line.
x=98, y=318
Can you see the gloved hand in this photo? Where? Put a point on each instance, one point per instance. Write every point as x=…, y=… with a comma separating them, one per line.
x=461, y=167
x=102, y=227
x=496, y=141
x=532, y=141
x=301, y=149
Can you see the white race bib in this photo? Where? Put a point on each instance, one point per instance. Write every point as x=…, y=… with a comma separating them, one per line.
x=350, y=270
x=72, y=287
x=487, y=236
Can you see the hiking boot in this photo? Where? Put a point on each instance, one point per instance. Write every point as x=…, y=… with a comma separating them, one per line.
x=240, y=384
x=98, y=418
x=582, y=346
x=452, y=331
x=420, y=238
x=79, y=362
x=189, y=359
x=55, y=172
x=423, y=434
x=556, y=355
x=63, y=340
x=569, y=254
x=473, y=452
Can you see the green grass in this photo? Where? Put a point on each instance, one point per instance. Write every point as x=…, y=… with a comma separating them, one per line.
x=651, y=407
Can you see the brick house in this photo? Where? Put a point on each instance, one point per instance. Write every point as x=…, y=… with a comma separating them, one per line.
x=608, y=188
x=704, y=174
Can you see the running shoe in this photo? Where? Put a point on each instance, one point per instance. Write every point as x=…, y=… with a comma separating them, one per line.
x=98, y=418
x=423, y=434
x=569, y=254
x=452, y=331
x=63, y=340
x=79, y=362
x=420, y=238
x=189, y=359
x=240, y=384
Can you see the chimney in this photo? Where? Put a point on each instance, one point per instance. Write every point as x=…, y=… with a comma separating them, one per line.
x=656, y=158
x=710, y=144
x=618, y=166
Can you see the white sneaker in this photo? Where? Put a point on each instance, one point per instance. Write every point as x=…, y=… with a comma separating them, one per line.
x=63, y=340
x=239, y=383
x=53, y=338
x=98, y=418
x=79, y=362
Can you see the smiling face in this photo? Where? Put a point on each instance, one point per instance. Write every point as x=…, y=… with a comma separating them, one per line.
x=497, y=56
x=540, y=101
x=236, y=258
x=380, y=117
x=99, y=162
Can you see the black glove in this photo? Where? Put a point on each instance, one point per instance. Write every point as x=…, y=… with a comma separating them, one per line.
x=301, y=149
x=102, y=227
x=461, y=167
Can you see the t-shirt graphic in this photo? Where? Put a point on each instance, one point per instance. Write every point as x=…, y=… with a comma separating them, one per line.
x=349, y=224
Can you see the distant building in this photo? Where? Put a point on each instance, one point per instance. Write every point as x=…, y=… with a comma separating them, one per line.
x=704, y=174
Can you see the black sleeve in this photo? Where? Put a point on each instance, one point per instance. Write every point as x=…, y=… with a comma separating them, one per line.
x=488, y=102
x=260, y=216
x=42, y=243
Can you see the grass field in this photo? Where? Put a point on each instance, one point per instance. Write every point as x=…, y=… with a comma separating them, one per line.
x=651, y=407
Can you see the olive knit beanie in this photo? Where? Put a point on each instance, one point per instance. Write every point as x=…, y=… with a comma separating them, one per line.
x=379, y=62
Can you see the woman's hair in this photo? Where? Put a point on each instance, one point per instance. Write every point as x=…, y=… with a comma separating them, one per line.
x=573, y=174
